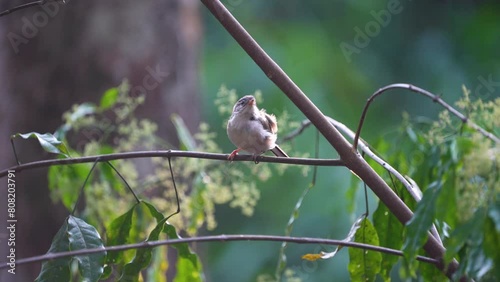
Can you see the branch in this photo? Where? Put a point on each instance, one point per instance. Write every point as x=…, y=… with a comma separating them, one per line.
x=364, y=147
x=217, y=238
x=352, y=159
x=409, y=184
x=171, y=153
x=435, y=99
x=24, y=6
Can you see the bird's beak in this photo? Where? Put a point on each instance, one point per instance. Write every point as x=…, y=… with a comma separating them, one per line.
x=251, y=102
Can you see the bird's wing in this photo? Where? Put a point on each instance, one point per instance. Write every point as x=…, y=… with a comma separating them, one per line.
x=268, y=122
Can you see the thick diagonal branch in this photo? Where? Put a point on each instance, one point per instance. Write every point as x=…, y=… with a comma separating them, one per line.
x=351, y=158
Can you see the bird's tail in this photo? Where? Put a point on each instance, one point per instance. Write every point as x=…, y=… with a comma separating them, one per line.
x=278, y=152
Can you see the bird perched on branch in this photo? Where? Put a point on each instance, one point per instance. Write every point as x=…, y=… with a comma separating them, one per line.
x=252, y=130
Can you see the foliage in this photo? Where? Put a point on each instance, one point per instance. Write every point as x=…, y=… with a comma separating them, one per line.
x=458, y=170
x=74, y=234
x=112, y=127
x=456, y=167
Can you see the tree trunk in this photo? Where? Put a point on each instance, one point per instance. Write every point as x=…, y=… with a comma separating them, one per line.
x=56, y=55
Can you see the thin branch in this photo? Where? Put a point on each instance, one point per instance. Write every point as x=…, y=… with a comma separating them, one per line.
x=216, y=238
x=171, y=153
x=24, y=6
x=352, y=159
x=80, y=195
x=435, y=99
x=14, y=150
x=124, y=181
x=175, y=189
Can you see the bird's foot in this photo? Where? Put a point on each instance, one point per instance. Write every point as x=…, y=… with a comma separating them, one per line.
x=254, y=158
x=233, y=154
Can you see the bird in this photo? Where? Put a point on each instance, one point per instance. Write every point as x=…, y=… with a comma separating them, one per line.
x=252, y=130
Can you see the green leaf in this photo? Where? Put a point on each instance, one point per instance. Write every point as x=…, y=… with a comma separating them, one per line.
x=388, y=227
x=467, y=241
x=64, y=182
x=48, y=142
x=81, y=111
x=464, y=233
x=74, y=234
x=187, y=271
x=492, y=243
x=143, y=256
x=431, y=273
x=185, y=137
x=109, y=98
x=58, y=269
x=117, y=233
x=363, y=264
x=419, y=225
x=494, y=214
x=188, y=265
x=82, y=235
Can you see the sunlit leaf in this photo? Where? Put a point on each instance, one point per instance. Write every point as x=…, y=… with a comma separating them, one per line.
x=117, y=233
x=191, y=264
x=48, y=142
x=109, y=98
x=143, y=256
x=312, y=257
x=187, y=271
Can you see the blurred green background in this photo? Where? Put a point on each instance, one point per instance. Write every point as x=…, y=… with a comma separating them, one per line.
x=337, y=52
x=438, y=46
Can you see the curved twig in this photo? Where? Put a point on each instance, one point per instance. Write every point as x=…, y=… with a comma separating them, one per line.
x=171, y=153
x=435, y=99
x=217, y=238
x=364, y=147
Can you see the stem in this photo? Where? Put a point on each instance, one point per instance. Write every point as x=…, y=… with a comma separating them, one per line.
x=435, y=99
x=216, y=238
x=171, y=153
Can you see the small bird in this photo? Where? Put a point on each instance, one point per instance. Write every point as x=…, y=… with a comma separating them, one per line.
x=252, y=130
